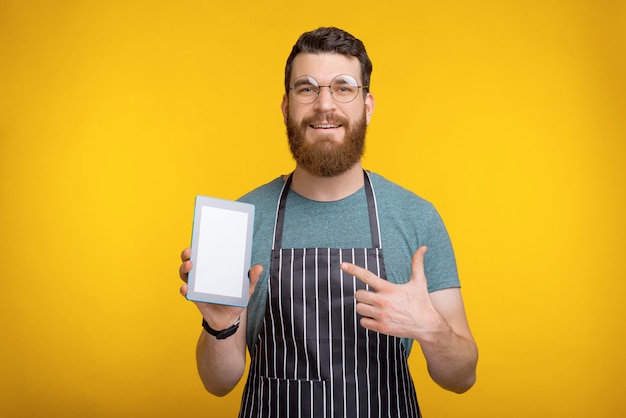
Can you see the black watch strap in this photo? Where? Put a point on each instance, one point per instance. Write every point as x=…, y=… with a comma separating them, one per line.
x=223, y=334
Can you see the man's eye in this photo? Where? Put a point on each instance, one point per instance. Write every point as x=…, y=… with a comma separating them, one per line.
x=306, y=90
x=344, y=90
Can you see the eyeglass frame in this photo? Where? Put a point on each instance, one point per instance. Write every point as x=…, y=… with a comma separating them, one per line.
x=329, y=88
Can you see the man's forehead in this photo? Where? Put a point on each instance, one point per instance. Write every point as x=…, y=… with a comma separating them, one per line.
x=325, y=66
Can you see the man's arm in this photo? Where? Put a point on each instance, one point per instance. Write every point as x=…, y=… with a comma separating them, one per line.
x=221, y=363
x=436, y=321
x=449, y=348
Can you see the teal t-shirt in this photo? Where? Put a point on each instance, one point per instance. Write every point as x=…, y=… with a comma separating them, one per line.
x=406, y=223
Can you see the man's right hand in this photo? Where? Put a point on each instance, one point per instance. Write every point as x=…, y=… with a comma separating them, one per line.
x=217, y=316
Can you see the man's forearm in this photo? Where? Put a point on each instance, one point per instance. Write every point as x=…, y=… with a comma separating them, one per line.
x=451, y=360
x=221, y=363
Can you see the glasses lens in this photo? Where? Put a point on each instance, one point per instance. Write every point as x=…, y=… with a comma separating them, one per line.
x=345, y=88
x=305, y=89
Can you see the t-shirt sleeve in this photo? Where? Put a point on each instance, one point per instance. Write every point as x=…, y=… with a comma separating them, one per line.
x=439, y=262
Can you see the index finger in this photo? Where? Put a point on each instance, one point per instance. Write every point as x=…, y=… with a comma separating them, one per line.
x=364, y=275
x=185, y=255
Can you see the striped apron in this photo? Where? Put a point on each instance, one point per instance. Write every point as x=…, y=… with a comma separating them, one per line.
x=312, y=357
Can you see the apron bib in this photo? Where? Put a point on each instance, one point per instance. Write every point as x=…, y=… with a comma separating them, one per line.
x=312, y=357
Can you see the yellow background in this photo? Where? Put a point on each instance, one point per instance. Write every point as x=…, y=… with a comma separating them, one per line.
x=507, y=115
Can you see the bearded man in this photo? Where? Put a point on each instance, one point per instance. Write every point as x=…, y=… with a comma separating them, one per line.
x=330, y=321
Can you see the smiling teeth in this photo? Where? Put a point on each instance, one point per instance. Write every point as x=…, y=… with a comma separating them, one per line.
x=325, y=126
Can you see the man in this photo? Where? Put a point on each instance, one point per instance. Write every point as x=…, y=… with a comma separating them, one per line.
x=330, y=321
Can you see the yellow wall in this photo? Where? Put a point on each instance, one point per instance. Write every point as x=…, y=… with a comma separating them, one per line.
x=508, y=115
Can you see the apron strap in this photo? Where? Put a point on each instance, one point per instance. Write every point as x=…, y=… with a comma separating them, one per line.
x=280, y=211
x=372, y=209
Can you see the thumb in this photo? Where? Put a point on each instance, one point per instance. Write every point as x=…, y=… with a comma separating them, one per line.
x=417, y=264
x=254, y=274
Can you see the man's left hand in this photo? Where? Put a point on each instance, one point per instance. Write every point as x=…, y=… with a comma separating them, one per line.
x=401, y=310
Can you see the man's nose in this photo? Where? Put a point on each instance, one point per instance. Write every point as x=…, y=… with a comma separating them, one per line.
x=325, y=99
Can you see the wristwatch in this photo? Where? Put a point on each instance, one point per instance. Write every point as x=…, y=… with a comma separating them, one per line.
x=223, y=334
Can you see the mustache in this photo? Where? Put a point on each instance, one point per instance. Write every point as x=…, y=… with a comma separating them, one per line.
x=320, y=118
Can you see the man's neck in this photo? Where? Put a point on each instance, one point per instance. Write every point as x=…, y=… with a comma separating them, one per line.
x=327, y=189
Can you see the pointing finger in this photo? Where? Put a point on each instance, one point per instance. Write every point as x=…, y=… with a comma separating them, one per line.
x=364, y=275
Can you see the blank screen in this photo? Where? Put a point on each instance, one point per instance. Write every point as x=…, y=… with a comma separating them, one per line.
x=221, y=252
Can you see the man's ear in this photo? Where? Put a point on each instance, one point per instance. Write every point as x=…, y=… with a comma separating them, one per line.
x=284, y=106
x=369, y=107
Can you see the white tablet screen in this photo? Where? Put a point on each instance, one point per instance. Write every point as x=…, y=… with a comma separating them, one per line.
x=221, y=250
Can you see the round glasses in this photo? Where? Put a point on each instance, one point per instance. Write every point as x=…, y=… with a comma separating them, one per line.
x=343, y=88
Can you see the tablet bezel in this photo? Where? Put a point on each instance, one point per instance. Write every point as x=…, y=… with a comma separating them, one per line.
x=229, y=205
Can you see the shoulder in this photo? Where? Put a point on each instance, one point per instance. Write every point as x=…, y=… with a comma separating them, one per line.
x=266, y=195
x=392, y=197
x=407, y=221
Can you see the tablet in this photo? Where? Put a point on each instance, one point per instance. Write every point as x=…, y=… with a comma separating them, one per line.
x=221, y=248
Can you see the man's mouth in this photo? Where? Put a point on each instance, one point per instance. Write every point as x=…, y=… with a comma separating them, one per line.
x=324, y=126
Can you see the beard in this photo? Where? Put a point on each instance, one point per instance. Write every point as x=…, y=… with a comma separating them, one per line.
x=325, y=156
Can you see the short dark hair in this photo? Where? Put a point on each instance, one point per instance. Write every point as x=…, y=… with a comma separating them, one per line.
x=330, y=40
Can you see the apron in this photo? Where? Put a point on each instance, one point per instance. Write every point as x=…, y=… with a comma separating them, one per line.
x=312, y=357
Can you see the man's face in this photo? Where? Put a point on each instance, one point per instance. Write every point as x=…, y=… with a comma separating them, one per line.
x=327, y=137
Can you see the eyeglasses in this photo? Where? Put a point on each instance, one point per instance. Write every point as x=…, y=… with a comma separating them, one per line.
x=343, y=88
